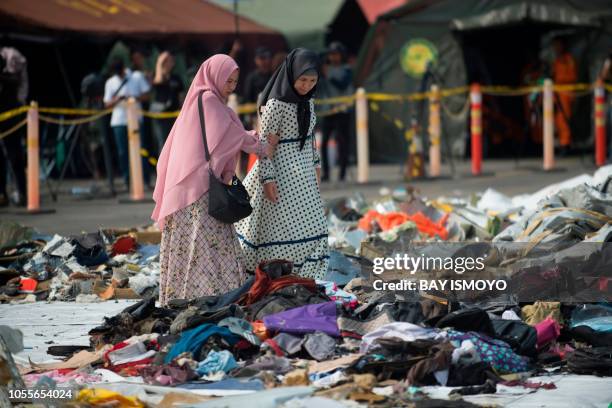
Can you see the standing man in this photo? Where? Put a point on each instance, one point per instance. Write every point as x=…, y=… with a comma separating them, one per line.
x=117, y=90
x=168, y=96
x=339, y=82
x=257, y=79
x=564, y=72
x=142, y=87
x=255, y=83
x=13, y=93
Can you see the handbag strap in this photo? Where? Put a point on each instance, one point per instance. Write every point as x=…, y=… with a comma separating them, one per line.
x=203, y=127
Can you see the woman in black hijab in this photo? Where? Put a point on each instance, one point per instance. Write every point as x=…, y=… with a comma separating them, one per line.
x=288, y=221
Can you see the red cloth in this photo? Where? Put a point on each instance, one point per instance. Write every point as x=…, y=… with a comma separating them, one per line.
x=124, y=245
x=263, y=285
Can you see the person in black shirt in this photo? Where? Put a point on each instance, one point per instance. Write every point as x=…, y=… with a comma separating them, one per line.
x=168, y=94
x=13, y=93
x=257, y=80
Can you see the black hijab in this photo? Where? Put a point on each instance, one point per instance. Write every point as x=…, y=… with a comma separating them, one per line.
x=280, y=86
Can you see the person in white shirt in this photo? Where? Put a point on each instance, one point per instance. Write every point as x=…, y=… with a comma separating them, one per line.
x=118, y=88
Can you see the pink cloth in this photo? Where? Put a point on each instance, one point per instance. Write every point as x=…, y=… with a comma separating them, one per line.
x=182, y=169
x=548, y=330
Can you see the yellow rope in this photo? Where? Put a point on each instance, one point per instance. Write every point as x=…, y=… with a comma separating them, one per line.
x=580, y=89
x=160, y=115
x=13, y=129
x=74, y=111
x=80, y=121
x=13, y=112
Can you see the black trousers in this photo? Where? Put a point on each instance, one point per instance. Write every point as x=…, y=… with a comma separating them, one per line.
x=337, y=126
x=16, y=156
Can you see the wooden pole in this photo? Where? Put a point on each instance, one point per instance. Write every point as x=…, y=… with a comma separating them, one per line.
x=548, y=126
x=136, y=178
x=434, y=132
x=33, y=159
x=363, y=160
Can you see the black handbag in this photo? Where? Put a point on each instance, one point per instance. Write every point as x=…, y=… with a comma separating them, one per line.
x=226, y=203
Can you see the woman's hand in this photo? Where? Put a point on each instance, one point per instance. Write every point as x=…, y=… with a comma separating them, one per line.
x=271, y=191
x=272, y=143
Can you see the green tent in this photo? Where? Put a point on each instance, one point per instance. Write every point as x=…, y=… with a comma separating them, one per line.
x=454, y=43
x=303, y=23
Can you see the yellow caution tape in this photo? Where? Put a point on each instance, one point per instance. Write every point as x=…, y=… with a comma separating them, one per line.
x=13, y=112
x=335, y=100
x=161, y=115
x=74, y=111
x=80, y=121
x=13, y=129
x=373, y=97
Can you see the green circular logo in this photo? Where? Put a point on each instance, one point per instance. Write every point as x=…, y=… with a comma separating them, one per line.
x=416, y=54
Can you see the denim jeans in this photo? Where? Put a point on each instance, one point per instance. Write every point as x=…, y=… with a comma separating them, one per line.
x=121, y=142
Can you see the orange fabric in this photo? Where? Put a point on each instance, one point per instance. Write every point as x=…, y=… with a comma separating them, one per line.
x=252, y=161
x=562, y=117
x=390, y=220
x=564, y=72
x=564, y=69
x=259, y=329
x=384, y=221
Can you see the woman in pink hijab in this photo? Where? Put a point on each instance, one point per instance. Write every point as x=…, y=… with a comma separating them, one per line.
x=199, y=255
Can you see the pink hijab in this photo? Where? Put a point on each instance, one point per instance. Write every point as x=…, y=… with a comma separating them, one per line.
x=182, y=169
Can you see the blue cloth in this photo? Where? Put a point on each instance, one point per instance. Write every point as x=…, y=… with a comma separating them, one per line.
x=192, y=340
x=217, y=361
x=341, y=269
x=253, y=384
x=147, y=251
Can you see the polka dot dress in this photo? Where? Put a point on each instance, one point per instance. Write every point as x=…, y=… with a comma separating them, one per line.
x=294, y=228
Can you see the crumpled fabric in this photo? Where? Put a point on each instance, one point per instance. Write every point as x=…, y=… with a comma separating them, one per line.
x=217, y=361
x=403, y=331
x=240, y=327
x=495, y=352
x=591, y=361
x=340, y=296
x=534, y=314
x=124, y=245
x=465, y=354
x=548, y=330
x=192, y=340
x=194, y=316
x=306, y=319
x=361, y=327
x=391, y=220
x=520, y=336
x=265, y=284
x=472, y=319
x=437, y=360
x=100, y=396
x=61, y=377
x=167, y=374
x=286, y=298
x=319, y=345
x=289, y=343
x=89, y=249
x=279, y=365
